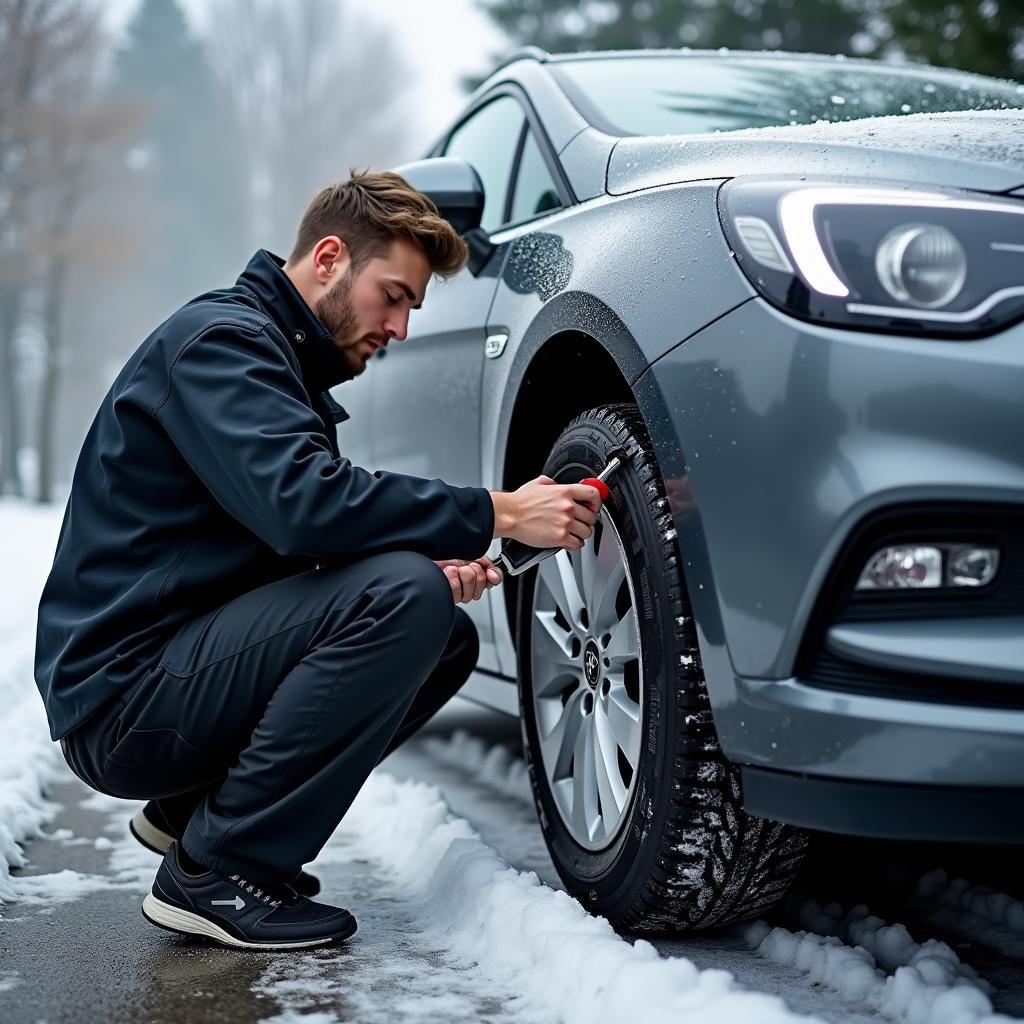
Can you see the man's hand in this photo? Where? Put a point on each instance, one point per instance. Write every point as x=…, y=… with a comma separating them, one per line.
x=469, y=579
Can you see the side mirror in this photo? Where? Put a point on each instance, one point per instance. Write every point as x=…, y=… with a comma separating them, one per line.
x=457, y=191
x=454, y=186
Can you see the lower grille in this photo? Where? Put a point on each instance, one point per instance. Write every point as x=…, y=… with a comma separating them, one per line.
x=831, y=672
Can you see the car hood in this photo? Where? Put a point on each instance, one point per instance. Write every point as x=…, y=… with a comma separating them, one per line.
x=971, y=149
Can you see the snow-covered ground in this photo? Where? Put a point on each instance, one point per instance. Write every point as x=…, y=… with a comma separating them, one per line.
x=28, y=759
x=461, y=914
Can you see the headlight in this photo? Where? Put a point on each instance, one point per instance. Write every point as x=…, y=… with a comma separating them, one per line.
x=921, y=265
x=933, y=262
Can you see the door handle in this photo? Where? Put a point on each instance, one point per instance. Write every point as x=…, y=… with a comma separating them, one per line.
x=495, y=344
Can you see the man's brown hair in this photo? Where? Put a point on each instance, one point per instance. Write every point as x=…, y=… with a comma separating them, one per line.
x=368, y=211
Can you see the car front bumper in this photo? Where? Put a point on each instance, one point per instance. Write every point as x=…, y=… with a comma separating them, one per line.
x=777, y=440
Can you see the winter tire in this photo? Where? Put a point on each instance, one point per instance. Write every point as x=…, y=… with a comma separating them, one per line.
x=640, y=809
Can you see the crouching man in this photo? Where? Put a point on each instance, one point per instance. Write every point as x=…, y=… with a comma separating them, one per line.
x=239, y=623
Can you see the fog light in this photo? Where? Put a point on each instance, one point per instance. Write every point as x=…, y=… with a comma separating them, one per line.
x=972, y=567
x=902, y=568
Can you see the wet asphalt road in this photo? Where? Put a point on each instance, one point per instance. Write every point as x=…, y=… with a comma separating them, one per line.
x=97, y=960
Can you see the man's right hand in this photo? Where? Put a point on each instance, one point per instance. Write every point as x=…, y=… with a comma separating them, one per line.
x=545, y=514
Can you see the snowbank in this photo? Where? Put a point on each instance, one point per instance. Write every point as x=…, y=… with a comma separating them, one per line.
x=566, y=963
x=28, y=758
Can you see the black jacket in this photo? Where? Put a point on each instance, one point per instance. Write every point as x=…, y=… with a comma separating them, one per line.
x=212, y=467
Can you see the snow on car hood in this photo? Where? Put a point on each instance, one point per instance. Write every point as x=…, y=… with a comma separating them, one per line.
x=966, y=149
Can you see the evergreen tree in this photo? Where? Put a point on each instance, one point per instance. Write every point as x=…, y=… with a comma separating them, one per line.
x=560, y=25
x=987, y=37
x=188, y=160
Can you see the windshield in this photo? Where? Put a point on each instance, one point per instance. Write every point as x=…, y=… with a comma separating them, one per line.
x=685, y=95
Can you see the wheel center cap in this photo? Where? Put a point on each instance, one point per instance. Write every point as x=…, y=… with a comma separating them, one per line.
x=591, y=664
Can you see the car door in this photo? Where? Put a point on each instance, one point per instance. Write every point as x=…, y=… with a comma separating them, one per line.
x=537, y=189
x=425, y=406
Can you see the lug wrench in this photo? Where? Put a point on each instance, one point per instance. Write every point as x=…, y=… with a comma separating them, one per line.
x=517, y=557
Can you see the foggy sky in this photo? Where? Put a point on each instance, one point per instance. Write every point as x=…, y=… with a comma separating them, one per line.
x=423, y=31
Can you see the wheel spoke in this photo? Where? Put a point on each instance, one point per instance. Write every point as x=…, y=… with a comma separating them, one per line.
x=606, y=588
x=584, y=782
x=615, y=676
x=553, y=648
x=624, y=720
x=557, y=747
x=587, y=562
x=550, y=685
x=623, y=645
x=560, y=579
x=609, y=781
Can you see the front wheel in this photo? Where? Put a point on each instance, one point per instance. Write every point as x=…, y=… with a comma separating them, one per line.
x=640, y=809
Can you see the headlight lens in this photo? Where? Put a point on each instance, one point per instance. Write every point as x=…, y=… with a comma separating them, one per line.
x=935, y=262
x=921, y=265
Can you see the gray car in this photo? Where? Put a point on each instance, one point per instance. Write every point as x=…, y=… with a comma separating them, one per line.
x=788, y=292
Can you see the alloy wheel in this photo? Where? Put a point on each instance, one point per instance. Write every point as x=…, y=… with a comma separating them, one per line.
x=588, y=684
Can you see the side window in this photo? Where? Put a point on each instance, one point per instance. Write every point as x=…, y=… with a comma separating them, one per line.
x=488, y=141
x=535, y=189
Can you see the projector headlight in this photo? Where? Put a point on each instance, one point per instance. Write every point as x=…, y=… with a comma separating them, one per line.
x=921, y=265
x=933, y=262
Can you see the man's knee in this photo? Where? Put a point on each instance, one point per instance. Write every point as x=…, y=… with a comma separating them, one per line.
x=424, y=586
x=408, y=590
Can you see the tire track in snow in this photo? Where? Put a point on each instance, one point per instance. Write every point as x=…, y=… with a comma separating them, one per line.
x=495, y=766
x=978, y=911
x=904, y=885
x=878, y=964
x=985, y=925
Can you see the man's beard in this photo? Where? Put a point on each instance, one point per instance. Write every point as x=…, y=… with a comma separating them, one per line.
x=335, y=312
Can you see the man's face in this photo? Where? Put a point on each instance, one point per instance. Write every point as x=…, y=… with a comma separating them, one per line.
x=366, y=311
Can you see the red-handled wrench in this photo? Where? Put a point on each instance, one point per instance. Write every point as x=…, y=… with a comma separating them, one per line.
x=517, y=557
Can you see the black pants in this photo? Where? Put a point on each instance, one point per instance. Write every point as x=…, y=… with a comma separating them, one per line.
x=264, y=716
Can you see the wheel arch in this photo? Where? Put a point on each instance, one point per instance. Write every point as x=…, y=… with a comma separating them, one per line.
x=577, y=353
x=560, y=369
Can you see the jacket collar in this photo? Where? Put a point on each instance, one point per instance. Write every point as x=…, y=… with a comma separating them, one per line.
x=321, y=361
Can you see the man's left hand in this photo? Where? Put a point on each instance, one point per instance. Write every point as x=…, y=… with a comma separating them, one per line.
x=469, y=579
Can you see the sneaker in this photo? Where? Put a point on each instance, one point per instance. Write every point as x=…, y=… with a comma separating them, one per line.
x=236, y=912
x=151, y=828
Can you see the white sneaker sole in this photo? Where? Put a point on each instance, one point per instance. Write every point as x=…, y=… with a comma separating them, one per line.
x=148, y=834
x=182, y=921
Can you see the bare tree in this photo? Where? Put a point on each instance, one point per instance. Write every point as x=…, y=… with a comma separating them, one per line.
x=79, y=142
x=39, y=41
x=319, y=88
x=60, y=142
